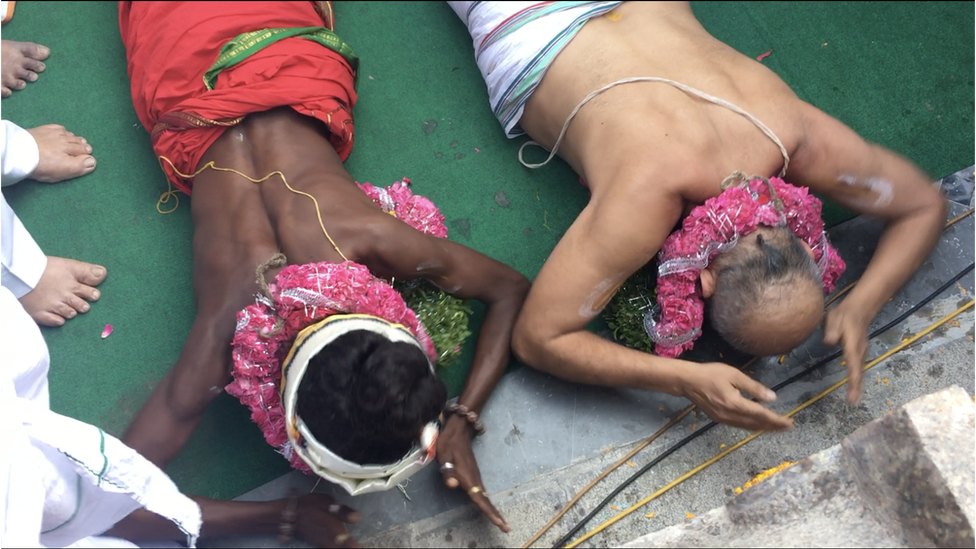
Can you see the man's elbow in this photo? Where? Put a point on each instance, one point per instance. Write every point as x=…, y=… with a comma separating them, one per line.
x=928, y=212
x=934, y=210
x=529, y=344
x=941, y=205
x=512, y=288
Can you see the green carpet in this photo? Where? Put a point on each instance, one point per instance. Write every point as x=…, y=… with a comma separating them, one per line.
x=900, y=74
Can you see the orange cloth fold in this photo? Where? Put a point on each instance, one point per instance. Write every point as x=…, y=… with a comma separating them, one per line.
x=170, y=45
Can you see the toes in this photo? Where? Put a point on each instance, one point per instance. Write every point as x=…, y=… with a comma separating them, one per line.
x=18, y=85
x=18, y=72
x=32, y=50
x=89, y=293
x=87, y=275
x=97, y=275
x=57, y=127
x=78, y=304
x=5, y=92
x=90, y=275
x=76, y=139
x=64, y=310
x=34, y=65
x=46, y=318
x=78, y=149
x=88, y=164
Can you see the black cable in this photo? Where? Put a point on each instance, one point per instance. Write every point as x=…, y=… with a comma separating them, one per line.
x=606, y=501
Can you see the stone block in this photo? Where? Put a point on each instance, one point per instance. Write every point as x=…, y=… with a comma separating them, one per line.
x=903, y=480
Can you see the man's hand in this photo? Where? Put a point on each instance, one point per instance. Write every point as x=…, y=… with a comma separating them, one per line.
x=454, y=448
x=847, y=326
x=715, y=389
x=322, y=521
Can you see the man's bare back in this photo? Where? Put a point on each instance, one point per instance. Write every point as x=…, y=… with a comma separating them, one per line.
x=619, y=129
x=650, y=151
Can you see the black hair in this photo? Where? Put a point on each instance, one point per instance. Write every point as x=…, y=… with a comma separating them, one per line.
x=367, y=398
x=752, y=279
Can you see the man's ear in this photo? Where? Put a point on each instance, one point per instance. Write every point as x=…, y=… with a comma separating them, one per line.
x=707, y=283
x=809, y=250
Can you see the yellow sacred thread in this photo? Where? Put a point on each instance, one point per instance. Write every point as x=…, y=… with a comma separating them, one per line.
x=164, y=198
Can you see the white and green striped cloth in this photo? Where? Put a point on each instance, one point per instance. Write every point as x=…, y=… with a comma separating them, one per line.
x=514, y=44
x=65, y=481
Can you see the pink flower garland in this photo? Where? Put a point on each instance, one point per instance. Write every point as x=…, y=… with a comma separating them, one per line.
x=708, y=231
x=305, y=294
x=416, y=210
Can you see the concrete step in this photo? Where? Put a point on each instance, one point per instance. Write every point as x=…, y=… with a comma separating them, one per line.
x=904, y=480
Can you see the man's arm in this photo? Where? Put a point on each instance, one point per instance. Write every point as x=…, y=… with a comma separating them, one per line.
x=608, y=242
x=870, y=180
x=402, y=252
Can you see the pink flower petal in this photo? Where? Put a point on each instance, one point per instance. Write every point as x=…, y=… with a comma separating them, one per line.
x=764, y=55
x=107, y=331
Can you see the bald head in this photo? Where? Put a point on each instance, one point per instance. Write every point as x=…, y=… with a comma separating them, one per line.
x=767, y=296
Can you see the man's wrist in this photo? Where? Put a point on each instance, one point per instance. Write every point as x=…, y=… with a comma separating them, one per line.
x=863, y=303
x=673, y=376
x=458, y=423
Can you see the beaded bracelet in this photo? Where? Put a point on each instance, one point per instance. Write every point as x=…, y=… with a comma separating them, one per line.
x=470, y=416
x=289, y=516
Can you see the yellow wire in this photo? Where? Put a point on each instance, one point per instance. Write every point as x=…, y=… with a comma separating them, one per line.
x=755, y=435
x=847, y=288
x=647, y=442
x=212, y=166
x=604, y=474
x=959, y=217
x=562, y=512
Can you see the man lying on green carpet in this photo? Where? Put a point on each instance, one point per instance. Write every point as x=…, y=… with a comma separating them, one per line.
x=336, y=368
x=663, y=121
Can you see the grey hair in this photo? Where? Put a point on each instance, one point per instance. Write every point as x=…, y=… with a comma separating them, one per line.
x=745, y=276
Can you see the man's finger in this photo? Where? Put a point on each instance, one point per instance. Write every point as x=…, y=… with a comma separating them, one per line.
x=478, y=495
x=343, y=513
x=346, y=542
x=855, y=372
x=745, y=383
x=831, y=332
x=757, y=417
x=480, y=498
x=448, y=471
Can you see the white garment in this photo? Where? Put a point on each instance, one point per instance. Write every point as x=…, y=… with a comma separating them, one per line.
x=19, y=155
x=64, y=481
x=4, y=6
x=22, y=259
x=514, y=44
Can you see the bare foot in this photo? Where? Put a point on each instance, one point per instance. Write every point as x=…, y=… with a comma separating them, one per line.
x=19, y=64
x=63, y=291
x=63, y=155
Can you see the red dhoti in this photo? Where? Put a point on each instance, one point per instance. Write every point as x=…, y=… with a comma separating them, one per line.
x=171, y=46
